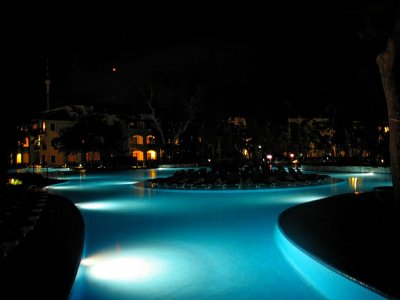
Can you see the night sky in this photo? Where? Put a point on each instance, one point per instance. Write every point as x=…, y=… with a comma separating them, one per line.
x=305, y=58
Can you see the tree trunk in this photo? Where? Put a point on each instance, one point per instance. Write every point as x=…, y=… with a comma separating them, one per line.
x=387, y=66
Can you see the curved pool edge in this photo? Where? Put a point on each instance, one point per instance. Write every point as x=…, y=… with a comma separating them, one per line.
x=327, y=279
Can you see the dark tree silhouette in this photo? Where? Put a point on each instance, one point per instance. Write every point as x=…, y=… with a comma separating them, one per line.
x=381, y=23
x=91, y=133
x=172, y=106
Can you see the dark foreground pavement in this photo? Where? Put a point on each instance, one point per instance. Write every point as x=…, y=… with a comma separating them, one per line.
x=355, y=234
x=45, y=262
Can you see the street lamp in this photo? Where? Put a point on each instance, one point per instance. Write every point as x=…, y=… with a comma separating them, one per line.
x=269, y=158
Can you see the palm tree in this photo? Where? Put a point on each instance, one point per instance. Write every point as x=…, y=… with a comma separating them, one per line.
x=381, y=22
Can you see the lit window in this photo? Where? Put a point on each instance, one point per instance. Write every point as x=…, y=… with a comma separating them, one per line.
x=151, y=155
x=19, y=158
x=150, y=139
x=137, y=140
x=245, y=153
x=138, y=155
x=26, y=143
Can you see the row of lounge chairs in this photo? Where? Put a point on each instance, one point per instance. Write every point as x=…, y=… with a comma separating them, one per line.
x=211, y=179
x=20, y=212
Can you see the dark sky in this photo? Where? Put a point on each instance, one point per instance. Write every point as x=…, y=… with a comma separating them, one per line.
x=299, y=56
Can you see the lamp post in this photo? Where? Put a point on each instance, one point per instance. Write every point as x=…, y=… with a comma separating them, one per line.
x=114, y=82
x=47, y=83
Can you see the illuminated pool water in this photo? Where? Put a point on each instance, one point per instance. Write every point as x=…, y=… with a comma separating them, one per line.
x=175, y=244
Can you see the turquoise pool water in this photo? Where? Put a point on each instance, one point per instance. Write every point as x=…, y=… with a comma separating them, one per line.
x=197, y=244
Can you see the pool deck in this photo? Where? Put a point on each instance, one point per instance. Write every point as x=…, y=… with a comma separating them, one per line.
x=44, y=263
x=354, y=234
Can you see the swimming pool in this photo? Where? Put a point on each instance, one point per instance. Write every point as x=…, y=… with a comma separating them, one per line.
x=196, y=244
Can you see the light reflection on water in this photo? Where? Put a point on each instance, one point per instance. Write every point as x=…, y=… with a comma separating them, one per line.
x=157, y=244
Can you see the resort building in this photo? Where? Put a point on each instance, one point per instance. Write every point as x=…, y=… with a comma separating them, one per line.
x=142, y=142
x=37, y=139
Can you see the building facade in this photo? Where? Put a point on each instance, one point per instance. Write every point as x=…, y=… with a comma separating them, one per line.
x=36, y=139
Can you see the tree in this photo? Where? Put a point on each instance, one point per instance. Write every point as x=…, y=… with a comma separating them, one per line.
x=172, y=106
x=381, y=22
x=91, y=133
x=388, y=62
